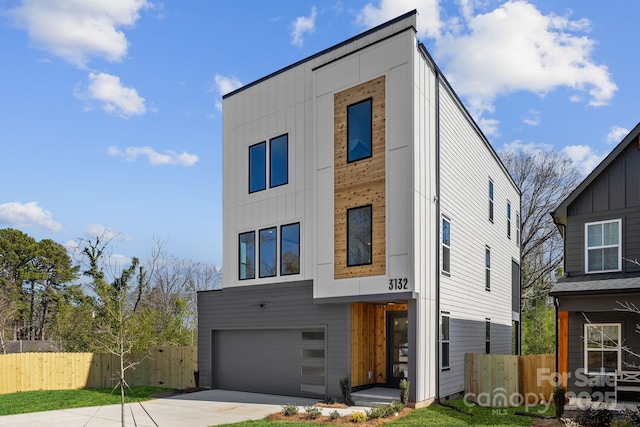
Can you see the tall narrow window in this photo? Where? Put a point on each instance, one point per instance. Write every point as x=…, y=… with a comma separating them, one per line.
x=602, y=347
x=446, y=245
x=290, y=249
x=359, y=130
x=509, y=220
x=603, y=250
x=490, y=200
x=257, y=167
x=517, y=229
x=279, y=161
x=268, y=252
x=444, y=341
x=487, y=336
x=359, y=236
x=247, y=255
x=487, y=263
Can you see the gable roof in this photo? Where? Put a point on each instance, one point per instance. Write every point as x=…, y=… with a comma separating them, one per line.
x=560, y=214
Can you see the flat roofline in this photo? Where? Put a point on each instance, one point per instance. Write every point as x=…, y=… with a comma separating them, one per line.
x=324, y=52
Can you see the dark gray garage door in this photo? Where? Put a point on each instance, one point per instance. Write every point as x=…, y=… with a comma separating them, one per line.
x=289, y=362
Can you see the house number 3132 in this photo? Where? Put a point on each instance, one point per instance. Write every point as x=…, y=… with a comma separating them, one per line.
x=398, y=284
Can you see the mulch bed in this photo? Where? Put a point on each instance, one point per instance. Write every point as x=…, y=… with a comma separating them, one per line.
x=342, y=421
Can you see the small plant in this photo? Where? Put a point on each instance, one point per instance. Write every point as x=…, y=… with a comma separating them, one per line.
x=404, y=392
x=632, y=416
x=377, y=412
x=290, y=410
x=312, y=412
x=395, y=408
x=590, y=417
x=624, y=422
x=345, y=387
x=334, y=415
x=358, y=417
x=558, y=400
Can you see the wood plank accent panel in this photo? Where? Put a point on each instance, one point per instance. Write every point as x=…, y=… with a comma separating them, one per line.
x=369, y=342
x=360, y=183
x=563, y=346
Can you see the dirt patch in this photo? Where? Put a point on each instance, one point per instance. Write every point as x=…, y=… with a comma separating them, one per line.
x=549, y=422
x=341, y=421
x=170, y=393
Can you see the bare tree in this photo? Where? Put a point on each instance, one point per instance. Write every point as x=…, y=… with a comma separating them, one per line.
x=545, y=179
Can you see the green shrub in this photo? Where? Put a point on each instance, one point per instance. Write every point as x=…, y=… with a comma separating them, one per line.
x=558, y=400
x=590, y=417
x=290, y=410
x=345, y=387
x=312, y=412
x=404, y=392
x=334, y=415
x=377, y=412
x=395, y=407
x=358, y=417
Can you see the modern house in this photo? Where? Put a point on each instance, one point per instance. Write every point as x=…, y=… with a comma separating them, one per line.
x=370, y=230
x=600, y=224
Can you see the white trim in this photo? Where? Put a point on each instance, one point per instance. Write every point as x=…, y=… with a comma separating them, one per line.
x=586, y=351
x=586, y=246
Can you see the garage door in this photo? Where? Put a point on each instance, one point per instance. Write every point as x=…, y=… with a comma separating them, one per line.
x=289, y=362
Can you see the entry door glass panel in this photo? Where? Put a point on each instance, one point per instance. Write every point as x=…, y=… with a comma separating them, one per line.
x=398, y=347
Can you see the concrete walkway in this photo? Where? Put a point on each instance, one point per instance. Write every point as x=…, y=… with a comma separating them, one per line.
x=200, y=409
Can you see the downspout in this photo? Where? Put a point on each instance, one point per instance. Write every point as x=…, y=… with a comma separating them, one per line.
x=556, y=302
x=437, y=232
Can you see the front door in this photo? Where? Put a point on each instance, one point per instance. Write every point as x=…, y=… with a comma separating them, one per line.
x=397, y=347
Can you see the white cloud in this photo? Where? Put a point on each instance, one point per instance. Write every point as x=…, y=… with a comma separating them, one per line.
x=221, y=86
x=529, y=147
x=517, y=48
x=169, y=157
x=532, y=118
x=301, y=25
x=616, y=134
x=28, y=214
x=583, y=157
x=116, y=99
x=76, y=30
x=429, y=23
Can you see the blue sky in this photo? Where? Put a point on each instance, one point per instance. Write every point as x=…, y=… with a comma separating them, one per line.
x=110, y=116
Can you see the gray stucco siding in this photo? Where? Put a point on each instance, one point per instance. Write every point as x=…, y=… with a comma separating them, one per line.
x=275, y=308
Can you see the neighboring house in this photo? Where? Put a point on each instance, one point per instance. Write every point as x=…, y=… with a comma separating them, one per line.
x=600, y=223
x=369, y=229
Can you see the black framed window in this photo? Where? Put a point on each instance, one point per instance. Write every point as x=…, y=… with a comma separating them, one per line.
x=268, y=252
x=290, y=249
x=509, y=220
x=359, y=235
x=487, y=336
x=279, y=161
x=446, y=245
x=257, y=167
x=487, y=262
x=247, y=255
x=444, y=341
x=491, y=200
x=359, y=130
x=517, y=229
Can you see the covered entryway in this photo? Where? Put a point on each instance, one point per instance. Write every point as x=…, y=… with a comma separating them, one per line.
x=379, y=344
x=288, y=362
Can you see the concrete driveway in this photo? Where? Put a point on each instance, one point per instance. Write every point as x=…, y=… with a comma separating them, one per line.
x=200, y=409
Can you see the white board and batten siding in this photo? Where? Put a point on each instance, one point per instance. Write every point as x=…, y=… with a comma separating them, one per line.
x=466, y=165
x=279, y=105
x=338, y=76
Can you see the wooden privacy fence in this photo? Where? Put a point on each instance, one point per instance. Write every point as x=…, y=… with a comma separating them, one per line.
x=499, y=380
x=170, y=367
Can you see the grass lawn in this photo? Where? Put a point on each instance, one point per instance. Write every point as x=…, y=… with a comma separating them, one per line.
x=437, y=415
x=36, y=401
